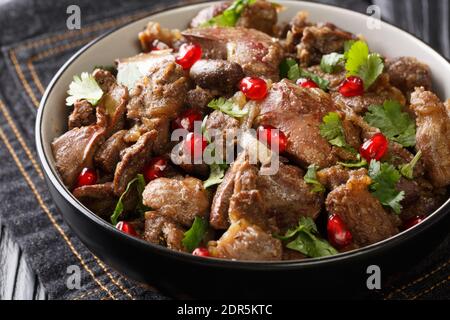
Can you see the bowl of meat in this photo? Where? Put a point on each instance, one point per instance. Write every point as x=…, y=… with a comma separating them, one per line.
x=280, y=149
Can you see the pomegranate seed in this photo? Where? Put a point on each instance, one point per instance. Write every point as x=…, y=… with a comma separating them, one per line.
x=306, y=83
x=187, y=119
x=269, y=135
x=338, y=234
x=188, y=55
x=127, y=228
x=351, y=87
x=195, y=144
x=412, y=222
x=253, y=88
x=374, y=148
x=155, y=169
x=201, y=252
x=87, y=177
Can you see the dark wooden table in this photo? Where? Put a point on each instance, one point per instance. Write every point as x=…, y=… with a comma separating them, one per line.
x=17, y=279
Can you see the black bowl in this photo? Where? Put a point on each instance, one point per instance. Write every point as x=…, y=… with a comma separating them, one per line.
x=184, y=275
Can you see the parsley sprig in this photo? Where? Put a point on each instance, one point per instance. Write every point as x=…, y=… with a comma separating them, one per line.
x=195, y=234
x=332, y=130
x=294, y=72
x=228, y=106
x=84, y=88
x=304, y=238
x=361, y=63
x=398, y=126
x=330, y=62
x=230, y=16
x=407, y=170
x=311, y=178
x=384, y=180
x=140, y=208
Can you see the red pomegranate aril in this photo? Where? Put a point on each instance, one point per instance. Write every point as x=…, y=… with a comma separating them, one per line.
x=188, y=55
x=374, y=148
x=338, y=233
x=306, y=83
x=352, y=87
x=155, y=169
x=253, y=88
x=87, y=177
x=201, y=252
x=195, y=144
x=412, y=222
x=270, y=135
x=126, y=228
x=187, y=119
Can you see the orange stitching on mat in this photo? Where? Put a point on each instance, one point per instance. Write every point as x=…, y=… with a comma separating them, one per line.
x=35, y=76
x=417, y=280
x=85, y=294
x=431, y=288
x=19, y=72
x=124, y=290
x=48, y=213
x=20, y=139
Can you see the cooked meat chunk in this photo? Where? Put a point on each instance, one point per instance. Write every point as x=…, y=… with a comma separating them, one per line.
x=432, y=135
x=269, y=201
x=162, y=230
x=143, y=62
x=260, y=15
x=298, y=112
x=333, y=177
x=133, y=161
x=75, y=150
x=361, y=212
x=406, y=73
x=335, y=79
x=319, y=40
x=199, y=98
x=112, y=106
x=154, y=32
x=398, y=155
x=83, y=114
x=179, y=199
x=160, y=94
x=257, y=53
x=161, y=126
x=243, y=241
x=223, y=131
x=189, y=165
x=220, y=75
x=108, y=155
x=410, y=188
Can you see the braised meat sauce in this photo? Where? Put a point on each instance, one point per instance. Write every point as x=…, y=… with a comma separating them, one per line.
x=361, y=142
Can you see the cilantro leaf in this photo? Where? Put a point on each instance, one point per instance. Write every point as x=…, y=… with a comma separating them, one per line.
x=407, y=170
x=362, y=64
x=332, y=130
x=195, y=234
x=140, y=208
x=306, y=240
x=384, y=179
x=396, y=125
x=347, y=45
x=295, y=73
x=228, y=107
x=311, y=178
x=285, y=66
x=216, y=174
x=330, y=62
x=230, y=16
x=84, y=88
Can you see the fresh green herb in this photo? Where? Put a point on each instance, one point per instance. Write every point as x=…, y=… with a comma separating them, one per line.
x=205, y=132
x=216, y=174
x=110, y=68
x=141, y=208
x=330, y=62
x=228, y=107
x=361, y=162
x=295, y=73
x=347, y=45
x=285, y=66
x=311, y=178
x=230, y=16
x=307, y=241
x=407, y=170
x=384, y=179
x=396, y=125
x=361, y=63
x=195, y=234
x=332, y=130
x=84, y=88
